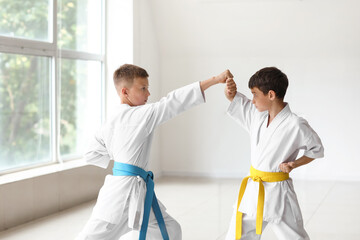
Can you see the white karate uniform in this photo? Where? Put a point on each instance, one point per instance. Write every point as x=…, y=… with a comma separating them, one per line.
x=127, y=138
x=280, y=142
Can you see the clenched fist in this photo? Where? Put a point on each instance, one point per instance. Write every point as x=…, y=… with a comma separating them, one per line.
x=230, y=89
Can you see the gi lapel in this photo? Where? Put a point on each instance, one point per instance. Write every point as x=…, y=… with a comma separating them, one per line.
x=279, y=118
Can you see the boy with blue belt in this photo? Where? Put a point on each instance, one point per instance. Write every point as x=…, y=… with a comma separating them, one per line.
x=127, y=197
x=277, y=135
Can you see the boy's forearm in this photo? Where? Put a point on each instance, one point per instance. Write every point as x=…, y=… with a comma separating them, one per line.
x=302, y=161
x=208, y=83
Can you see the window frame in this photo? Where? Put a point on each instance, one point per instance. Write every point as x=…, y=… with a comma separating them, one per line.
x=16, y=45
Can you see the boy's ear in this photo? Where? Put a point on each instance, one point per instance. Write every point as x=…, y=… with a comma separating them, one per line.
x=124, y=91
x=272, y=95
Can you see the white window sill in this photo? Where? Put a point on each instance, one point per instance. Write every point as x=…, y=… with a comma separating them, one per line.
x=40, y=171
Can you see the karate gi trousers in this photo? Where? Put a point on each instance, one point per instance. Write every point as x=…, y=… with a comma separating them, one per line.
x=286, y=229
x=97, y=229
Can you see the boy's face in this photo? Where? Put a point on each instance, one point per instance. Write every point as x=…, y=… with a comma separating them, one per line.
x=260, y=100
x=138, y=93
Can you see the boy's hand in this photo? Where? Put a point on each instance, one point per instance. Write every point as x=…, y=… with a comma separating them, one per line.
x=230, y=89
x=287, y=167
x=223, y=76
x=215, y=80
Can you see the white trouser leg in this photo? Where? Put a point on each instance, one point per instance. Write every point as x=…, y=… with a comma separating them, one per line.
x=289, y=228
x=248, y=228
x=96, y=229
x=172, y=226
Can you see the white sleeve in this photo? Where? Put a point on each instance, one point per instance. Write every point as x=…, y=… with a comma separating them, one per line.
x=97, y=154
x=173, y=104
x=312, y=143
x=242, y=110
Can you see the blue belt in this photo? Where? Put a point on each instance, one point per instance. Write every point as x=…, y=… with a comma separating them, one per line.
x=123, y=169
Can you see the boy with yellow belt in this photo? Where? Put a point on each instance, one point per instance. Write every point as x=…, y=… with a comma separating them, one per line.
x=277, y=135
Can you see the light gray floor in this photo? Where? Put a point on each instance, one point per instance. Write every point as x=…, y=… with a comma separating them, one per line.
x=203, y=207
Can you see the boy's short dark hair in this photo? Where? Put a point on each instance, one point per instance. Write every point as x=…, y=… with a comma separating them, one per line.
x=270, y=78
x=127, y=73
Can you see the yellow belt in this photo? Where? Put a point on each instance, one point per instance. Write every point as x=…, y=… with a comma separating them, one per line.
x=257, y=176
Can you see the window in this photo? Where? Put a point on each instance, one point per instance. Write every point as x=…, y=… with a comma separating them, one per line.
x=24, y=110
x=51, y=79
x=80, y=104
x=26, y=19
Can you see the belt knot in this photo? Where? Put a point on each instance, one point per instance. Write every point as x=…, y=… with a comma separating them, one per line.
x=256, y=179
x=123, y=169
x=260, y=177
x=149, y=175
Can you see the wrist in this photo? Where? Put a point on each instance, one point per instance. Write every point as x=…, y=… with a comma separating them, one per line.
x=215, y=80
x=295, y=164
x=231, y=98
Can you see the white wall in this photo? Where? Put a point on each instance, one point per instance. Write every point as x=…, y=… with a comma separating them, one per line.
x=146, y=55
x=316, y=43
x=131, y=39
x=119, y=45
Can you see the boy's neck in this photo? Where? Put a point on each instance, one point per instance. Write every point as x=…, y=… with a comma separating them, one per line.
x=275, y=108
x=124, y=100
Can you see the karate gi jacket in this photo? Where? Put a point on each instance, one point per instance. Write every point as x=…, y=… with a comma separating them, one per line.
x=127, y=138
x=280, y=142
